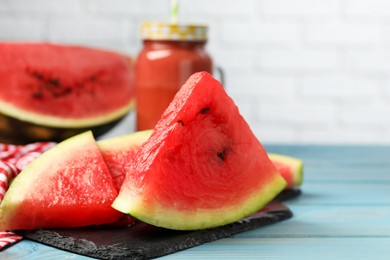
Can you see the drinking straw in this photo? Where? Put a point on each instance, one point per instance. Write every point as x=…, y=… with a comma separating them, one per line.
x=174, y=11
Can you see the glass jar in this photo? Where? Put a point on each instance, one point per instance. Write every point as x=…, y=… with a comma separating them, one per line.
x=171, y=54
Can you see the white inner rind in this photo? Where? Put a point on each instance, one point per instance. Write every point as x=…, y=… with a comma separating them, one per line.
x=54, y=121
x=124, y=142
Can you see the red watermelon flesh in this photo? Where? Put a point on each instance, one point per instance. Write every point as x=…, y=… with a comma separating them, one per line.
x=64, y=86
x=67, y=186
x=286, y=173
x=202, y=167
x=119, y=151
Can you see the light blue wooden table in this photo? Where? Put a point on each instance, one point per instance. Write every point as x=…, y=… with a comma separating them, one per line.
x=343, y=213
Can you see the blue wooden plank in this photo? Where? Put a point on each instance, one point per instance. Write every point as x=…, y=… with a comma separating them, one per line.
x=334, y=153
x=289, y=248
x=341, y=193
x=329, y=221
x=30, y=250
x=346, y=174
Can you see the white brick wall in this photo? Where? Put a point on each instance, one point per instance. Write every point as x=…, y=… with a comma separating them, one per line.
x=301, y=71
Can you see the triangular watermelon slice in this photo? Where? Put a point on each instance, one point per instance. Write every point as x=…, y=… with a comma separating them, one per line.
x=67, y=186
x=202, y=167
x=291, y=168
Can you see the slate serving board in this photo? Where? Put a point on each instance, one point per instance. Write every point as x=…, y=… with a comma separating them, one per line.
x=143, y=241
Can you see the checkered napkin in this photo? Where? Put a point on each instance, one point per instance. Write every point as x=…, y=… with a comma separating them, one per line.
x=13, y=159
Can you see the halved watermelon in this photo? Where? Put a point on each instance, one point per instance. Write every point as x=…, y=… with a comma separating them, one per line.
x=52, y=91
x=67, y=186
x=202, y=167
x=290, y=168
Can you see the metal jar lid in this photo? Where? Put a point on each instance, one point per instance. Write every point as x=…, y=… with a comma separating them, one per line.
x=169, y=31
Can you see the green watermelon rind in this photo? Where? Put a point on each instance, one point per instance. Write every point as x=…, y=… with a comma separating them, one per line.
x=201, y=219
x=61, y=122
x=294, y=163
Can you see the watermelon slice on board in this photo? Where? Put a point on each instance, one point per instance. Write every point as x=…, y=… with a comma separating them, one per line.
x=118, y=153
x=202, y=167
x=67, y=186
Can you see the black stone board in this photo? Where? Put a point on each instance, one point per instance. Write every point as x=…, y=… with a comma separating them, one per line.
x=143, y=241
x=288, y=194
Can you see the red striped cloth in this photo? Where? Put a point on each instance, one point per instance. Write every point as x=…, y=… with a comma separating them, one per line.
x=13, y=159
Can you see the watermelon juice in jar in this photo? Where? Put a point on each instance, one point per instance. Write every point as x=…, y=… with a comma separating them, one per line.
x=171, y=54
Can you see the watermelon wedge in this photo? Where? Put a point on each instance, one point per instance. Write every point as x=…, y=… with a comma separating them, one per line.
x=118, y=153
x=290, y=168
x=67, y=186
x=202, y=167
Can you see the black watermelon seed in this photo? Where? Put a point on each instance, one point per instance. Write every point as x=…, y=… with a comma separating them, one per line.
x=221, y=155
x=205, y=110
